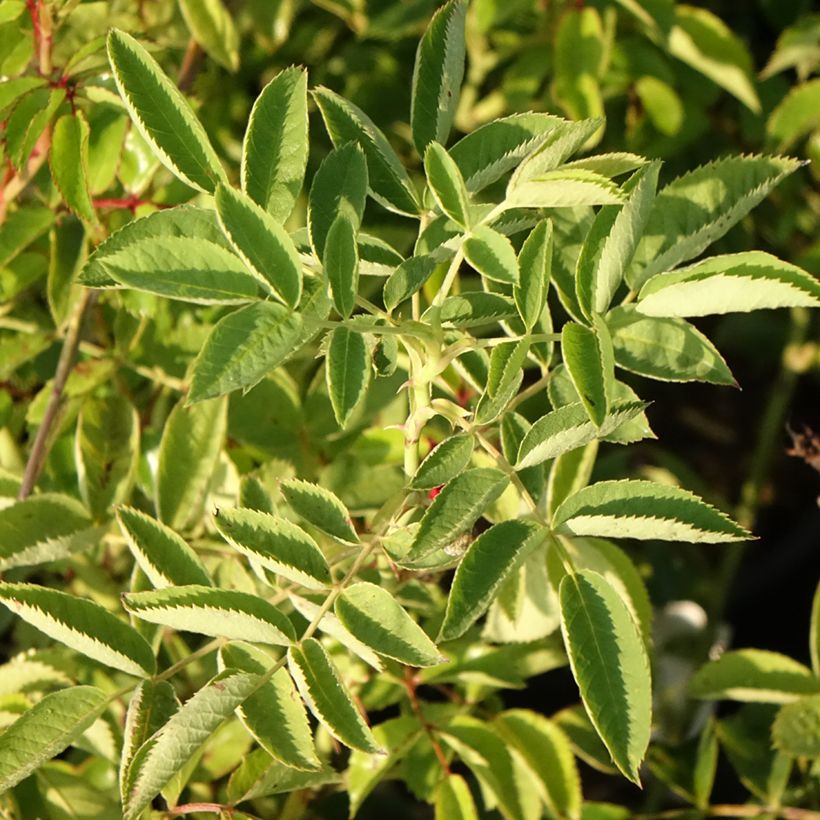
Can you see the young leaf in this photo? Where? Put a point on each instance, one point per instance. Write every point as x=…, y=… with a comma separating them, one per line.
x=212, y=27
x=698, y=208
x=447, y=184
x=609, y=662
x=348, y=372
x=243, y=347
x=45, y=527
x=492, y=255
x=407, y=279
x=262, y=244
x=339, y=188
x=341, y=264
x=796, y=729
x=46, y=729
x=276, y=544
x=753, y=675
x=68, y=159
x=274, y=714
x=163, y=116
x=321, y=508
x=564, y=189
x=731, y=283
x=168, y=750
x=162, y=555
x=221, y=613
x=275, y=148
x=319, y=684
x=588, y=358
x=82, y=625
x=389, y=183
x=188, y=454
x=665, y=349
x=445, y=462
x=453, y=800
x=489, y=560
x=645, y=510
x=437, y=76
x=534, y=268
x=375, y=617
x=455, y=509
x=611, y=242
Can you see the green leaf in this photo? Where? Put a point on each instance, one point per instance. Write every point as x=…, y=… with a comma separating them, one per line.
x=611, y=242
x=437, y=76
x=276, y=544
x=795, y=116
x=407, y=279
x=211, y=25
x=444, y=462
x=20, y=228
x=731, y=283
x=389, y=183
x=455, y=509
x=587, y=745
x=348, y=372
x=547, y=752
x=662, y=104
x=491, y=254
x=162, y=115
x=699, y=207
x=275, y=148
x=664, y=349
x=447, y=184
x=321, y=687
x=169, y=749
x=42, y=528
x=262, y=244
x=221, y=613
x=46, y=729
x=506, y=364
x=753, y=675
x=68, y=159
x=568, y=428
x=82, y=625
x=11, y=89
x=341, y=264
x=565, y=188
x=609, y=662
x=703, y=41
x=569, y=473
x=188, y=454
x=27, y=122
x=375, y=617
x=162, y=555
x=106, y=450
x=474, y=308
x=321, y=508
x=534, y=270
x=339, y=187
x=645, y=510
x=453, y=800
x=259, y=775
x=274, y=714
x=489, y=560
x=796, y=729
x=244, y=347
x=588, y=358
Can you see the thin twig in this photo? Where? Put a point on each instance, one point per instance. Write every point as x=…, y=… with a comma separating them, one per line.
x=190, y=65
x=410, y=686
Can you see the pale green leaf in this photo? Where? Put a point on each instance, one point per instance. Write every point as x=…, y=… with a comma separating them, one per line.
x=447, y=184
x=667, y=349
x=455, y=509
x=447, y=460
x=661, y=103
x=489, y=560
x=321, y=687
x=407, y=279
x=491, y=254
x=796, y=729
x=610, y=664
x=569, y=473
x=612, y=164
x=83, y=625
x=453, y=800
x=341, y=264
x=375, y=617
x=221, y=613
x=45, y=730
x=262, y=244
x=534, y=270
x=564, y=189
x=188, y=454
x=506, y=364
x=587, y=355
x=389, y=182
x=162, y=555
x=753, y=675
x=163, y=116
x=575, y=724
x=645, y=510
x=170, y=748
x=437, y=76
x=68, y=160
x=797, y=115
x=259, y=775
x=211, y=25
x=474, y=308
x=275, y=148
x=348, y=372
x=320, y=507
x=276, y=544
x=736, y=282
